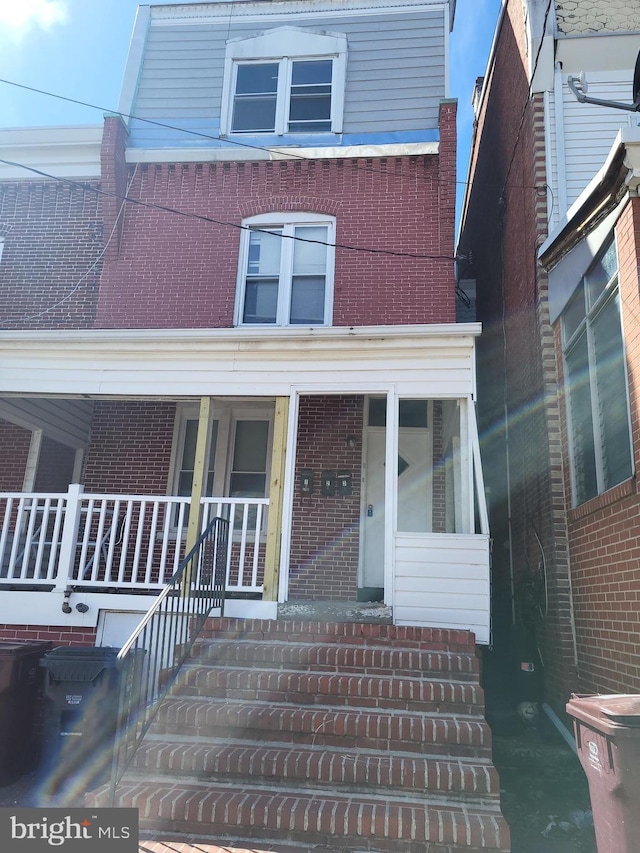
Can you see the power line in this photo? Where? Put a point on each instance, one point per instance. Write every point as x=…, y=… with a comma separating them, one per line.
x=290, y=154
x=225, y=223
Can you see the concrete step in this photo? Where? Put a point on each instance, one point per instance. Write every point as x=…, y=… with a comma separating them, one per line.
x=366, y=823
x=340, y=688
x=325, y=726
x=218, y=760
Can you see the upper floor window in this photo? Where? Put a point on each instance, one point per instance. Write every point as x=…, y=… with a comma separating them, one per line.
x=596, y=380
x=288, y=80
x=286, y=270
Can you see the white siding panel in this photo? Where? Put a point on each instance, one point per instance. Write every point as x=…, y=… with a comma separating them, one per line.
x=182, y=69
x=443, y=581
x=590, y=130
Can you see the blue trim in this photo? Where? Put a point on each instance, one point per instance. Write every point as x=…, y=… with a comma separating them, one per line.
x=145, y=135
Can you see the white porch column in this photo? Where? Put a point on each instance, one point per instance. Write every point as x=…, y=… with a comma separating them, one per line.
x=69, y=537
x=390, y=494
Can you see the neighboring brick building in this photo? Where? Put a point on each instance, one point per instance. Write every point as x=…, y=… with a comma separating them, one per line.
x=279, y=286
x=563, y=565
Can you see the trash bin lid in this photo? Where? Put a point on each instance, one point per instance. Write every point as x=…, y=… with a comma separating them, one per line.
x=79, y=663
x=22, y=647
x=606, y=712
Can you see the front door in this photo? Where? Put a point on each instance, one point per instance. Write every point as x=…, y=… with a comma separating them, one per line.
x=414, y=487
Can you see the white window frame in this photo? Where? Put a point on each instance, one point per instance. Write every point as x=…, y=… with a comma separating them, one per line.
x=287, y=221
x=285, y=45
x=610, y=292
x=227, y=414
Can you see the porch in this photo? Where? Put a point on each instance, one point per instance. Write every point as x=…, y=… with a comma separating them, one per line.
x=346, y=462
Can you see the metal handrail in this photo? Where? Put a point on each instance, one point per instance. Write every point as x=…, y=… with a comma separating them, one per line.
x=153, y=655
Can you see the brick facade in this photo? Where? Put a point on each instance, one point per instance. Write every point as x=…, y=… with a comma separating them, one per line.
x=326, y=537
x=176, y=271
x=603, y=532
x=14, y=451
x=130, y=448
x=506, y=222
x=52, y=257
x=56, y=634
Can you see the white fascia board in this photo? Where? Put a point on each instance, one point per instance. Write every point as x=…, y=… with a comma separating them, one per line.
x=60, y=152
x=264, y=13
x=434, y=360
x=133, y=67
x=629, y=137
x=239, y=153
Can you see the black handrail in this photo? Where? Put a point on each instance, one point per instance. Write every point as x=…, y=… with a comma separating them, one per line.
x=154, y=653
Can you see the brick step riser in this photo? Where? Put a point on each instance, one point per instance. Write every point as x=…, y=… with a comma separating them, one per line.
x=346, y=742
x=199, y=715
x=426, y=778
x=336, y=690
x=345, y=632
x=308, y=700
x=292, y=816
x=308, y=841
x=367, y=661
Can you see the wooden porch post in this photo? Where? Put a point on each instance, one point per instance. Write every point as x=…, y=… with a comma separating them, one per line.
x=276, y=488
x=200, y=468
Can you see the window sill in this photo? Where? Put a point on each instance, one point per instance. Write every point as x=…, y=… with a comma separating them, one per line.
x=611, y=496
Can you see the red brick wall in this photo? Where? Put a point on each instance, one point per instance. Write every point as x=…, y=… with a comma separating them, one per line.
x=325, y=540
x=14, y=450
x=130, y=448
x=51, y=259
x=506, y=223
x=57, y=634
x=173, y=271
x=605, y=532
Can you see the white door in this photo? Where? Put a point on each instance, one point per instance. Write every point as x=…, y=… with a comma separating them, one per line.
x=414, y=495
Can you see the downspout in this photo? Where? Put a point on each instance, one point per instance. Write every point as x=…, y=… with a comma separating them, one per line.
x=561, y=167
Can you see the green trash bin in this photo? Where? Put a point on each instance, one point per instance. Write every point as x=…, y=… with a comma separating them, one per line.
x=19, y=687
x=607, y=730
x=82, y=694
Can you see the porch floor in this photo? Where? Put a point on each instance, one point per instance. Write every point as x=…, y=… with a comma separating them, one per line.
x=374, y=612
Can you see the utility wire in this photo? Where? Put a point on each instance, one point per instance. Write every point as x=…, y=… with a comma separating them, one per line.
x=225, y=223
x=290, y=154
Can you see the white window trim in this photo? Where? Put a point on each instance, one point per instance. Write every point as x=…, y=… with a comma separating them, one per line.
x=284, y=287
x=285, y=45
x=610, y=292
x=227, y=413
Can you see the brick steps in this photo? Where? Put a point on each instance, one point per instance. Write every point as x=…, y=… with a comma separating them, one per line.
x=216, y=760
x=346, y=736
x=320, y=726
x=367, y=823
x=340, y=688
x=351, y=658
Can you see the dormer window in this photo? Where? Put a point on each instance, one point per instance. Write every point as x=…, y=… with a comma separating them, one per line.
x=283, y=82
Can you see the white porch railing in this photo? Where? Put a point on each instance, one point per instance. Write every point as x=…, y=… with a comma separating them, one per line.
x=118, y=542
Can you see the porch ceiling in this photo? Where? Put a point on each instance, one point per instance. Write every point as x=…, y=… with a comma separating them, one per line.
x=66, y=421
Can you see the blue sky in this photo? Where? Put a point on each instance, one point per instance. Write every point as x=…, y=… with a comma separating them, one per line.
x=78, y=48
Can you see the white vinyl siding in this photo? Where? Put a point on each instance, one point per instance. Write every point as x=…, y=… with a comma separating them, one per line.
x=395, y=73
x=442, y=581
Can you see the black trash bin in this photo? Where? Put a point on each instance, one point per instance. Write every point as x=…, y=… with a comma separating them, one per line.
x=82, y=692
x=19, y=685
x=607, y=730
